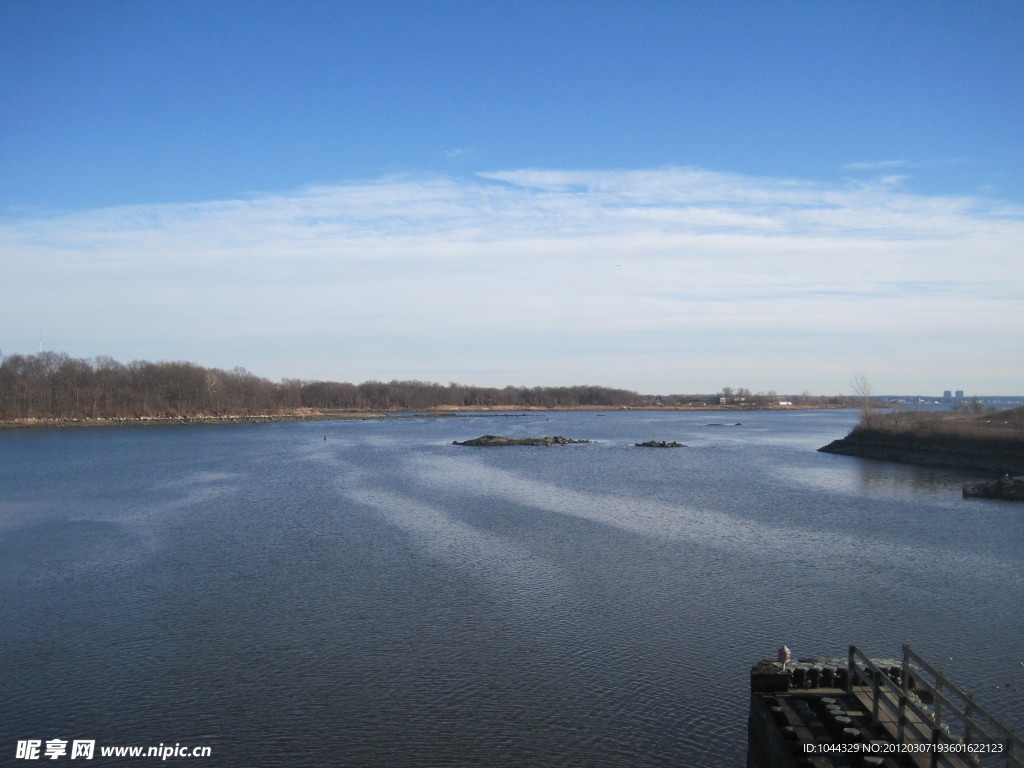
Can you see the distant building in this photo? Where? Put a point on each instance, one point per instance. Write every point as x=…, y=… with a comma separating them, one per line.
x=947, y=394
x=959, y=394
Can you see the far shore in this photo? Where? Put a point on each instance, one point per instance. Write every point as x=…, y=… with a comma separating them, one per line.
x=306, y=414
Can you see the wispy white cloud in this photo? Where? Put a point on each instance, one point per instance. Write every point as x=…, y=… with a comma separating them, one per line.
x=660, y=280
x=874, y=165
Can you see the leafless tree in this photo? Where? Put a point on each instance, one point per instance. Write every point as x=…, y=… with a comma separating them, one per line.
x=864, y=394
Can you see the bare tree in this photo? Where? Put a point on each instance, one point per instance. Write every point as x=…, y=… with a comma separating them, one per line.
x=865, y=395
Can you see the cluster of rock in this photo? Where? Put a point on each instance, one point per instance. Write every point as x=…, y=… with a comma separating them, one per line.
x=498, y=440
x=660, y=444
x=1006, y=487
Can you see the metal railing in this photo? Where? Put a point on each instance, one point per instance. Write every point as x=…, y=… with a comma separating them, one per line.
x=959, y=730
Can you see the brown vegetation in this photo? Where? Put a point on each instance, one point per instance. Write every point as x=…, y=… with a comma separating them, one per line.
x=947, y=425
x=53, y=385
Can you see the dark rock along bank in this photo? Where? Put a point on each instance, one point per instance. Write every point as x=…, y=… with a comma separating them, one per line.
x=997, y=456
x=1004, y=457
x=1006, y=487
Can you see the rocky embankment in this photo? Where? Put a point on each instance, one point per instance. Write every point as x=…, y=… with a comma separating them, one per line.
x=1006, y=487
x=1001, y=456
x=998, y=455
x=488, y=441
x=660, y=444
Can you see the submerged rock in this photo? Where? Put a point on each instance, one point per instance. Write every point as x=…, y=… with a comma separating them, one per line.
x=1007, y=488
x=498, y=440
x=660, y=444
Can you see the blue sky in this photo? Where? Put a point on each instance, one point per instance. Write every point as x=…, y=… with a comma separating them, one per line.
x=664, y=196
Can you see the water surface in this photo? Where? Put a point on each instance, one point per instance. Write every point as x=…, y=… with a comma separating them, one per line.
x=384, y=598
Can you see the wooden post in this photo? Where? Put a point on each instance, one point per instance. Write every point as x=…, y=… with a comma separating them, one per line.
x=968, y=722
x=905, y=671
x=901, y=723
x=876, y=684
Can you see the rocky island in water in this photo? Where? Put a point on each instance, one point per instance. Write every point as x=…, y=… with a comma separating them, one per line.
x=488, y=441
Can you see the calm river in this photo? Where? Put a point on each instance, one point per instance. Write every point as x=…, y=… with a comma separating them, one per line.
x=384, y=598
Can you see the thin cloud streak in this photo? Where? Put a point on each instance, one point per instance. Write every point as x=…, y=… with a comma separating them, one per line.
x=661, y=280
x=874, y=165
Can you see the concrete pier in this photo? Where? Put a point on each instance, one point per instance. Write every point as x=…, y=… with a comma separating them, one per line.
x=856, y=711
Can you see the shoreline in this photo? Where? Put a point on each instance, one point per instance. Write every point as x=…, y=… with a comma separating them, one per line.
x=175, y=421
x=994, y=456
x=441, y=412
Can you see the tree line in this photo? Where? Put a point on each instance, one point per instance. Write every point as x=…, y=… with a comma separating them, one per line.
x=57, y=386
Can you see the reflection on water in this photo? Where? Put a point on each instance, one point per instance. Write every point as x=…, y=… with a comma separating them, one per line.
x=886, y=480
x=384, y=598
x=890, y=480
